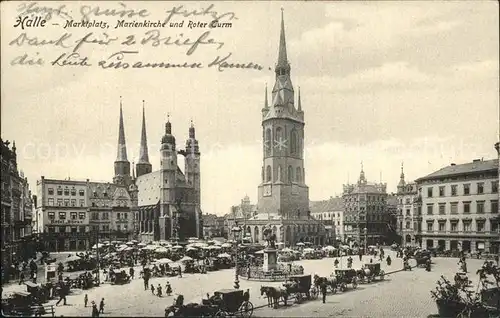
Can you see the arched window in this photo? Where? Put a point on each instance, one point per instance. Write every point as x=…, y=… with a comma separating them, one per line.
x=269, y=141
x=294, y=142
x=279, y=134
x=280, y=173
x=290, y=174
x=298, y=174
x=268, y=174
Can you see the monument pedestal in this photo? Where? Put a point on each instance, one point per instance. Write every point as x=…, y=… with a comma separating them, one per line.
x=270, y=259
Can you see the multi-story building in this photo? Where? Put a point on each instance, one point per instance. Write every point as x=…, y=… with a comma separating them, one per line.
x=366, y=217
x=73, y=215
x=409, y=212
x=213, y=226
x=331, y=213
x=16, y=209
x=460, y=207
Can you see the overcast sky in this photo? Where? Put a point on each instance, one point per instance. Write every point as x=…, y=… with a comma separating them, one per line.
x=381, y=82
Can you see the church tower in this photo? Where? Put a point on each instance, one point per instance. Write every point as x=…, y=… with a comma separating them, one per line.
x=122, y=165
x=402, y=181
x=168, y=169
x=192, y=170
x=143, y=166
x=283, y=190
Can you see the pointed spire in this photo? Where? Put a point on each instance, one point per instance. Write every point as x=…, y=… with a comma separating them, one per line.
x=299, y=106
x=14, y=146
x=133, y=170
x=122, y=147
x=266, y=102
x=191, y=130
x=168, y=125
x=402, y=176
x=362, y=174
x=282, y=56
x=143, y=153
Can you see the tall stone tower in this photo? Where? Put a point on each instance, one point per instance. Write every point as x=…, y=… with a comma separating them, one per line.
x=192, y=170
x=283, y=190
x=168, y=169
x=122, y=165
x=143, y=166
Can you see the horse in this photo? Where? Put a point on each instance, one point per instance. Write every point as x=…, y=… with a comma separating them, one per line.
x=273, y=295
x=363, y=273
x=330, y=282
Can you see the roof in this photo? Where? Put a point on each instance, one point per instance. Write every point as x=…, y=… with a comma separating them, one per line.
x=333, y=204
x=392, y=200
x=149, y=188
x=462, y=169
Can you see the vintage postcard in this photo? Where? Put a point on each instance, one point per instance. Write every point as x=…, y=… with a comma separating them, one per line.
x=250, y=158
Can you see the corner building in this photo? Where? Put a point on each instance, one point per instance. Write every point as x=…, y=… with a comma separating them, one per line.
x=283, y=196
x=460, y=207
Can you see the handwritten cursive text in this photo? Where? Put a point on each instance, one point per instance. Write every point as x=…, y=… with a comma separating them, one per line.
x=224, y=63
x=181, y=11
x=23, y=39
x=116, y=61
x=123, y=12
x=32, y=8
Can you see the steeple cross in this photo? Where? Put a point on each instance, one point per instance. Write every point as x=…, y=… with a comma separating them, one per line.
x=168, y=117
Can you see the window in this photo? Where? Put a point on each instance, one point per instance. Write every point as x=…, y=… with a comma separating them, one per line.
x=81, y=229
x=454, y=226
x=51, y=202
x=59, y=202
x=429, y=209
x=66, y=191
x=441, y=191
x=293, y=142
x=467, y=226
x=82, y=202
x=73, y=202
x=74, y=229
x=466, y=189
x=480, y=206
x=442, y=208
x=407, y=200
x=430, y=226
x=125, y=227
x=118, y=215
x=269, y=141
x=466, y=207
x=59, y=191
x=429, y=192
x=494, y=206
x=268, y=174
x=81, y=215
x=73, y=191
x=480, y=188
x=66, y=202
x=118, y=227
x=494, y=186
x=62, y=215
x=442, y=226
x=125, y=216
x=408, y=212
x=454, y=207
x=480, y=226
x=105, y=216
x=290, y=174
x=105, y=194
x=81, y=192
x=95, y=216
x=494, y=226
x=93, y=204
x=62, y=229
x=51, y=215
x=50, y=191
x=408, y=224
x=454, y=190
x=73, y=215
x=298, y=175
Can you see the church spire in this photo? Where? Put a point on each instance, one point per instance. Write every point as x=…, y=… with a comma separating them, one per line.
x=362, y=174
x=282, y=67
x=266, y=102
x=143, y=156
x=299, y=102
x=122, y=147
x=402, y=177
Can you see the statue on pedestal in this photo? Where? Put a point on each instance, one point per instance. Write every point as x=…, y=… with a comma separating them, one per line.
x=270, y=237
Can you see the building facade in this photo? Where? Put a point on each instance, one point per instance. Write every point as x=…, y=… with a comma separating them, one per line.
x=283, y=196
x=409, y=212
x=366, y=218
x=73, y=215
x=460, y=207
x=331, y=213
x=213, y=226
x=16, y=209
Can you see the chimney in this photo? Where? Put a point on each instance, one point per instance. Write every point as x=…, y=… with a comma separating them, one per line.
x=453, y=164
x=476, y=160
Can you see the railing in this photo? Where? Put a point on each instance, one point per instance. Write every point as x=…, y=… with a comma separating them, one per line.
x=280, y=274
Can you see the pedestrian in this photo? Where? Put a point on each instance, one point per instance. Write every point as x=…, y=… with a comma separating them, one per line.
x=168, y=289
x=101, y=306
x=180, y=271
x=131, y=272
x=86, y=300
x=323, y=291
x=158, y=290
x=336, y=263
x=497, y=259
x=248, y=272
x=62, y=295
x=21, y=278
x=371, y=260
x=95, y=311
x=34, y=277
x=388, y=260
x=428, y=265
x=152, y=289
x=360, y=255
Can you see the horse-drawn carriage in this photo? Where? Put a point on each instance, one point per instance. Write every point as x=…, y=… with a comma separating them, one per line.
x=345, y=277
x=119, y=277
x=224, y=303
x=330, y=282
x=299, y=286
x=422, y=257
x=22, y=304
x=371, y=271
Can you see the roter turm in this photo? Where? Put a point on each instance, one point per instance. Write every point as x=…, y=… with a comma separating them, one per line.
x=283, y=196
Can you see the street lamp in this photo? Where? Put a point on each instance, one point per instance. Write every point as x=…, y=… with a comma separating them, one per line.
x=236, y=231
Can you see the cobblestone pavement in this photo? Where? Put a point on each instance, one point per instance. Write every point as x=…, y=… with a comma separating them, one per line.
x=402, y=294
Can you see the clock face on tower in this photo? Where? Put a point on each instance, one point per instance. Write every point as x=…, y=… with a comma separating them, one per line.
x=267, y=190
